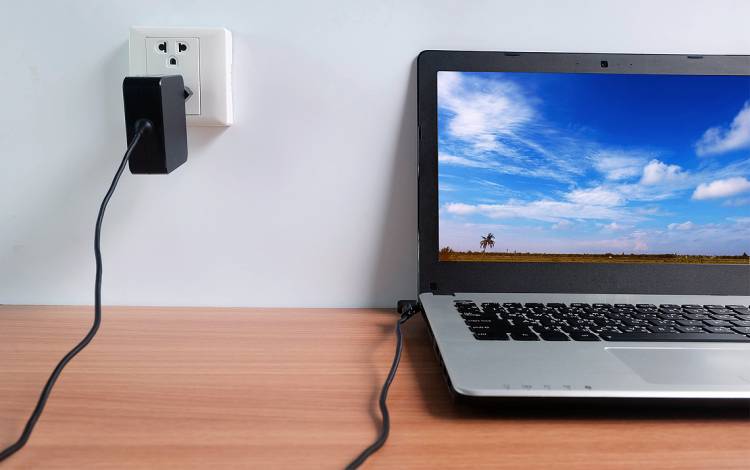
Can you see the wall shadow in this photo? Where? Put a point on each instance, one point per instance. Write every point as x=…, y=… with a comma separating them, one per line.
x=395, y=268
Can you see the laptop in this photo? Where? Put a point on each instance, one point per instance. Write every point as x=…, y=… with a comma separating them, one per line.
x=584, y=223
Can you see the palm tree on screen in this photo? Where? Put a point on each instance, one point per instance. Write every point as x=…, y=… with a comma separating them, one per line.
x=488, y=241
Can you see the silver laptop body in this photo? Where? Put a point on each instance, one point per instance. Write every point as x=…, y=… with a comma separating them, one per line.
x=465, y=138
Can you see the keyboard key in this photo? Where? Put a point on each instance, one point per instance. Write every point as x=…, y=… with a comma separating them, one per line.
x=519, y=327
x=671, y=316
x=669, y=310
x=677, y=337
x=696, y=329
x=467, y=306
x=583, y=336
x=669, y=306
x=490, y=329
x=524, y=336
x=716, y=323
x=554, y=336
x=491, y=336
x=469, y=311
x=719, y=329
x=634, y=329
x=660, y=322
x=713, y=306
x=696, y=311
x=690, y=323
x=721, y=311
x=546, y=329
x=697, y=316
x=662, y=329
x=653, y=311
x=744, y=330
x=479, y=321
x=605, y=330
x=483, y=328
x=723, y=317
x=741, y=323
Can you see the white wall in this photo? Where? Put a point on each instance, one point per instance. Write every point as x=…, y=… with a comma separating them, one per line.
x=308, y=200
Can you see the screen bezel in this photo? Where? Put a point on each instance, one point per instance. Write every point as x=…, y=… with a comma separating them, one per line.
x=451, y=276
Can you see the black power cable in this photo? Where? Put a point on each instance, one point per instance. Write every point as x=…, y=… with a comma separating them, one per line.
x=142, y=126
x=407, y=310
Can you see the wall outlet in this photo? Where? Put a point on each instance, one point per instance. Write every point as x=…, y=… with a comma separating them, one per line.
x=203, y=56
x=177, y=56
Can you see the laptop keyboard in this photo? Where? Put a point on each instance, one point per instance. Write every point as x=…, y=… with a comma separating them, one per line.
x=607, y=322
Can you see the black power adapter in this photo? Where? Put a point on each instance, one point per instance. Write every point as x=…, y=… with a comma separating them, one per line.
x=161, y=101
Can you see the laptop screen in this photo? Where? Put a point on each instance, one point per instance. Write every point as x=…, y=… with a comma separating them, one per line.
x=602, y=168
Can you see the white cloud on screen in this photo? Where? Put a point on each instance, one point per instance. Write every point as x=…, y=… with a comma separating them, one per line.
x=463, y=161
x=615, y=227
x=482, y=112
x=498, y=127
x=597, y=196
x=720, y=139
x=618, y=165
x=542, y=210
x=683, y=226
x=722, y=188
x=657, y=172
x=562, y=225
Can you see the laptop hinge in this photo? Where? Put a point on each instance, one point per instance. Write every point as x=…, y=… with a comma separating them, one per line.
x=434, y=288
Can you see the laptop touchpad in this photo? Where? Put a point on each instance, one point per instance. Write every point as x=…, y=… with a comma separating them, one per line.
x=688, y=366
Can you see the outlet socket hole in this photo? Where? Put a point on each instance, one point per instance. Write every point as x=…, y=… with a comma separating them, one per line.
x=162, y=47
x=181, y=47
x=172, y=62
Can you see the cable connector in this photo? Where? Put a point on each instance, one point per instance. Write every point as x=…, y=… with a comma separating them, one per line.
x=408, y=308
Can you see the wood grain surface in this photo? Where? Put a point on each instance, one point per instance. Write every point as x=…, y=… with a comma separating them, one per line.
x=269, y=388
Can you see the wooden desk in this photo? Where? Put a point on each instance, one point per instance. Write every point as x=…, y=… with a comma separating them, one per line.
x=233, y=388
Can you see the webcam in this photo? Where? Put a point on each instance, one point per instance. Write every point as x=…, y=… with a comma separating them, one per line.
x=604, y=64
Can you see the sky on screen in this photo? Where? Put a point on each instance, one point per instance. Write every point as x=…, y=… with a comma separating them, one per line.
x=594, y=163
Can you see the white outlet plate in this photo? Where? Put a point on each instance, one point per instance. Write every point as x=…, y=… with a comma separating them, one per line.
x=203, y=56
